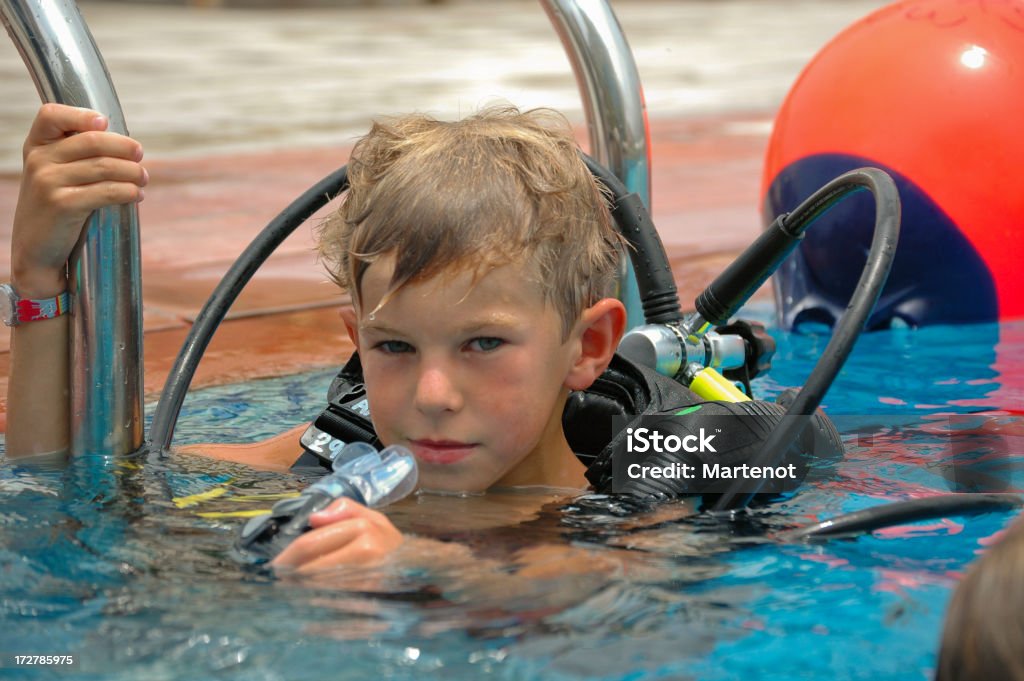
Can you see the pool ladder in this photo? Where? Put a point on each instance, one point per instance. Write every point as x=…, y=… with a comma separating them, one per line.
x=104, y=270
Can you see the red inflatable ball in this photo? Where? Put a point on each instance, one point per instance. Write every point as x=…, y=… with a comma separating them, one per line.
x=932, y=91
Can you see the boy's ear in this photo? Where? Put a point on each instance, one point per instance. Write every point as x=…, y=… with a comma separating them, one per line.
x=599, y=331
x=350, y=318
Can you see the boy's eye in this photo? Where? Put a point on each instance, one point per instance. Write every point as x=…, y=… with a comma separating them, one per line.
x=485, y=344
x=393, y=347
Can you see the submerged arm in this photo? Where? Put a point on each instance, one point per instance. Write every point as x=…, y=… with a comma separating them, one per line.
x=277, y=453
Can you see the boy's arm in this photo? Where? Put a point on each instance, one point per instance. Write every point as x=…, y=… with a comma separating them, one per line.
x=37, y=388
x=347, y=535
x=72, y=167
x=277, y=453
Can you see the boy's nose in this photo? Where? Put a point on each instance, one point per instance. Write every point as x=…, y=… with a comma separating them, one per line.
x=436, y=391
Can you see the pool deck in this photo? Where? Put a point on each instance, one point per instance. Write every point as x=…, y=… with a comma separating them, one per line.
x=206, y=201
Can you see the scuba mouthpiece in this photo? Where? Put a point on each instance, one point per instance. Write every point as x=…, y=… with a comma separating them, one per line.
x=359, y=473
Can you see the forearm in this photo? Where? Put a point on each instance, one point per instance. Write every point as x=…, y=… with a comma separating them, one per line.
x=71, y=168
x=277, y=453
x=37, y=388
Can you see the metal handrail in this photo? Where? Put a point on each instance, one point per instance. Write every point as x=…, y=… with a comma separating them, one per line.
x=613, y=102
x=104, y=269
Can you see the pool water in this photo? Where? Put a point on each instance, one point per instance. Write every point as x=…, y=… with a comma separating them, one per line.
x=138, y=579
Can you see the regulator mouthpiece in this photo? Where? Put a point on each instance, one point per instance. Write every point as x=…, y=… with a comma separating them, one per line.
x=383, y=478
x=360, y=473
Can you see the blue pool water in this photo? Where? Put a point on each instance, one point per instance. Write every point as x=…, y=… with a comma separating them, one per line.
x=139, y=586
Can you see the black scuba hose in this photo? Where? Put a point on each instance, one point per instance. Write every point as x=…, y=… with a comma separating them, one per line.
x=256, y=253
x=914, y=510
x=658, y=294
x=849, y=326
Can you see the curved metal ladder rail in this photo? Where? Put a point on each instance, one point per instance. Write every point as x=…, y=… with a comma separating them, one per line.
x=613, y=102
x=104, y=270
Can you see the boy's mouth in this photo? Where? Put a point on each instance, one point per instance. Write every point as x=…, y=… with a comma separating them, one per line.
x=441, y=452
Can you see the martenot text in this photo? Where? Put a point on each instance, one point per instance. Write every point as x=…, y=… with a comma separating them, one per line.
x=685, y=471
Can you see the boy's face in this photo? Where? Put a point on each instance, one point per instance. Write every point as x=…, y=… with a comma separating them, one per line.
x=469, y=377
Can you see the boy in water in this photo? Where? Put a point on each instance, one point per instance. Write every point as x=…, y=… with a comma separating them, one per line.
x=479, y=256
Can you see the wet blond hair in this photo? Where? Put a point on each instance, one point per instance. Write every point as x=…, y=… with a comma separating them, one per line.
x=497, y=188
x=984, y=630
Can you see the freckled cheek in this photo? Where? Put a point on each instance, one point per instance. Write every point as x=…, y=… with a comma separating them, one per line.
x=389, y=398
x=513, y=416
x=519, y=389
x=517, y=437
x=501, y=388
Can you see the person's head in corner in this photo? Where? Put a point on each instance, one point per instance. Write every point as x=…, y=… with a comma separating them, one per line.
x=983, y=638
x=480, y=257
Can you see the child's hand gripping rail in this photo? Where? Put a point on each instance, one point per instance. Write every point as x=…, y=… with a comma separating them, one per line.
x=372, y=478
